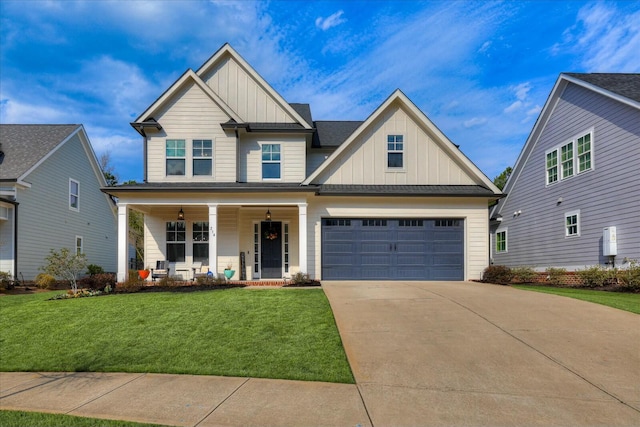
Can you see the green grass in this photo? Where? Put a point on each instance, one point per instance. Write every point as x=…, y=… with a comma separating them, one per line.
x=620, y=300
x=40, y=419
x=275, y=333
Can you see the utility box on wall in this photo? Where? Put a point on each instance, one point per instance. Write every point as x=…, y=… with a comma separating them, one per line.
x=609, y=242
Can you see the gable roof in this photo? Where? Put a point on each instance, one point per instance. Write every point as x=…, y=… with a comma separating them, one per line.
x=225, y=50
x=449, y=147
x=331, y=134
x=26, y=146
x=624, y=88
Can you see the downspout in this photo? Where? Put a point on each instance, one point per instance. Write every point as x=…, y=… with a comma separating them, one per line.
x=15, y=241
x=144, y=156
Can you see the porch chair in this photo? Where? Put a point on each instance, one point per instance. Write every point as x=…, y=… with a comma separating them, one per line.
x=199, y=270
x=162, y=270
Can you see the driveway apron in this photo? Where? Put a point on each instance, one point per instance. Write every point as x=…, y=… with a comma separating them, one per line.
x=466, y=353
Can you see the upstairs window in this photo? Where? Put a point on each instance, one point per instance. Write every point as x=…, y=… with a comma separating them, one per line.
x=74, y=195
x=202, y=156
x=569, y=159
x=271, y=161
x=572, y=224
x=395, y=151
x=175, y=152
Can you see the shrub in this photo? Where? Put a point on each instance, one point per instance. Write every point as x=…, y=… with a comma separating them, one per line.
x=498, y=274
x=5, y=281
x=630, y=277
x=219, y=279
x=93, y=269
x=45, y=281
x=169, y=282
x=300, y=278
x=132, y=284
x=65, y=265
x=596, y=276
x=98, y=281
x=555, y=275
x=524, y=274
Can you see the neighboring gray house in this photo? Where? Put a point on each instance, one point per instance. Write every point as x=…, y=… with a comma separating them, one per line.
x=577, y=175
x=50, y=198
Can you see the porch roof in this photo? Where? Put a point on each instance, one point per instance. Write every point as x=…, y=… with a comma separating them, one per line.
x=406, y=190
x=221, y=187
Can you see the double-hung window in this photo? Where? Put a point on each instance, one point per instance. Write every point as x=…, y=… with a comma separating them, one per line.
x=572, y=224
x=271, y=160
x=175, y=153
x=569, y=159
x=176, y=237
x=79, y=245
x=201, y=242
x=395, y=151
x=501, y=241
x=202, y=155
x=74, y=195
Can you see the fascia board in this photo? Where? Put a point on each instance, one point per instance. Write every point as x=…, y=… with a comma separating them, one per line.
x=227, y=49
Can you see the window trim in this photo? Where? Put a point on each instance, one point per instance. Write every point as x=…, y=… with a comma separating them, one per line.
x=506, y=244
x=395, y=150
x=77, y=195
x=567, y=215
x=279, y=162
x=195, y=157
x=167, y=157
x=204, y=242
x=560, y=169
x=176, y=242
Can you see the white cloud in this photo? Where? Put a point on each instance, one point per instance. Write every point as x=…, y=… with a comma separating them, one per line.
x=513, y=107
x=474, y=122
x=331, y=21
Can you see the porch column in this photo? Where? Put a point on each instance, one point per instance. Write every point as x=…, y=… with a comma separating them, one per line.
x=213, y=238
x=123, y=241
x=302, y=237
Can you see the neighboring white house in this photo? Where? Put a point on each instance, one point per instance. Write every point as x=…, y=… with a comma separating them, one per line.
x=233, y=172
x=50, y=198
x=577, y=175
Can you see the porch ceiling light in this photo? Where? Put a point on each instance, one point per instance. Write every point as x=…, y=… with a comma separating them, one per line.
x=181, y=214
x=267, y=216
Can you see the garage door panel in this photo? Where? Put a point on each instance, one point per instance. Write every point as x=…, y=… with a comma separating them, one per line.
x=412, y=260
x=376, y=273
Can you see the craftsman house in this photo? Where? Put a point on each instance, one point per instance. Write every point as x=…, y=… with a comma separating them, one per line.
x=236, y=176
x=573, y=198
x=50, y=198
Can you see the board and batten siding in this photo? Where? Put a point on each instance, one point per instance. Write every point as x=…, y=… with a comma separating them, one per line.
x=607, y=195
x=292, y=149
x=474, y=212
x=192, y=114
x=45, y=221
x=243, y=94
x=365, y=160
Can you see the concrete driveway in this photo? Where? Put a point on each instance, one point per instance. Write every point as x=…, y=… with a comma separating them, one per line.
x=465, y=353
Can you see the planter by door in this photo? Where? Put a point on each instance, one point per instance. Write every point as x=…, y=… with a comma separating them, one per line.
x=143, y=274
x=229, y=273
x=271, y=245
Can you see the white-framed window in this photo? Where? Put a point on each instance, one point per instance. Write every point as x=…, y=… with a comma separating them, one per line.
x=572, y=224
x=271, y=161
x=395, y=151
x=256, y=249
x=79, y=245
x=202, y=157
x=175, y=150
x=285, y=238
x=501, y=241
x=176, y=240
x=570, y=158
x=200, y=235
x=74, y=195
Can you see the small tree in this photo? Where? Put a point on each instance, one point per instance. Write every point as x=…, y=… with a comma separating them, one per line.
x=66, y=266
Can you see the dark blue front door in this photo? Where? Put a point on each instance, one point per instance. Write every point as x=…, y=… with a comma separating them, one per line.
x=271, y=250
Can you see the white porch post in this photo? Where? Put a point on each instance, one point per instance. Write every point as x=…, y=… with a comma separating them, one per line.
x=213, y=238
x=302, y=236
x=123, y=241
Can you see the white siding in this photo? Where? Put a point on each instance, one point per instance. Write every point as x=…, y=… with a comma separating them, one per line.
x=240, y=91
x=292, y=157
x=191, y=114
x=315, y=157
x=7, y=239
x=425, y=161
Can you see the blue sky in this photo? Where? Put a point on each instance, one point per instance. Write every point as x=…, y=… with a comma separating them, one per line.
x=481, y=71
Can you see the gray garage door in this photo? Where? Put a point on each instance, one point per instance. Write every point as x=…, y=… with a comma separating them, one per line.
x=384, y=249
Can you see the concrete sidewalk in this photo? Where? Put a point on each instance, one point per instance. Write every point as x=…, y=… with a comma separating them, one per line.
x=185, y=400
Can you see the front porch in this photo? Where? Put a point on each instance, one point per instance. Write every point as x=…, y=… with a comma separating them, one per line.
x=259, y=241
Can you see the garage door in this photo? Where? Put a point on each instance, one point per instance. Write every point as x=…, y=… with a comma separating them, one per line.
x=385, y=249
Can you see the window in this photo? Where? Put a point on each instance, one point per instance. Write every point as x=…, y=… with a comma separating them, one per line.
x=337, y=222
x=271, y=161
x=575, y=158
x=447, y=223
x=256, y=249
x=202, y=154
x=285, y=235
x=176, y=236
x=176, y=152
x=79, y=249
x=201, y=242
x=501, y=241
x=374, y=222
x=395, y=148
x=572, y=224
x=410, y=223
x=74, y=195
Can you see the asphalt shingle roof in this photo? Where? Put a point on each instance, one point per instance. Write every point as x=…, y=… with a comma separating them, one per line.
x=627, y=85
x=331, y=134
x=25, y=145
x=305, y=112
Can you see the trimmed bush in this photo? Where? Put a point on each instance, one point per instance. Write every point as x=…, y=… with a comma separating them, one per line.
x=132, y=284
x=93, y=269
x=524, y=274
x=498, y=274
x=45, y=281
x=596, y=276
x=211, y=280
x=5, y=281
x=300, y=278
x=556, y=275
x=98, y=281
x=629, y=278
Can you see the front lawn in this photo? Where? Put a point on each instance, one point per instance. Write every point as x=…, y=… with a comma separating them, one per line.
x=275, y=333
x=39, y=419
x=623, y=301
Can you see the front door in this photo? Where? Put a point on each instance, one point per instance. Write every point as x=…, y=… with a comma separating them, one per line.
x=271, y=254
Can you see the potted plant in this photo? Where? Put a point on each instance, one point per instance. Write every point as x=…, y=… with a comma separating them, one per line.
x=143, y=273
x=229, y=272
